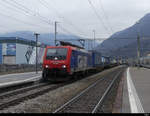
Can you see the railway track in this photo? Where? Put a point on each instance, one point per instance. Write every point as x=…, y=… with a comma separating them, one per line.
x=17, y=94
x=14, y=95
x=91, y=99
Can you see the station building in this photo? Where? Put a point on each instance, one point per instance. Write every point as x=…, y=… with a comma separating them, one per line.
x=15, y=50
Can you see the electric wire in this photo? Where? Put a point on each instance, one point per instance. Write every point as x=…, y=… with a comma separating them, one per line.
x=62, y=28
x=28, y=11
x=105, y=15
x=21, y=21
x=98, y=16
x=45, y=3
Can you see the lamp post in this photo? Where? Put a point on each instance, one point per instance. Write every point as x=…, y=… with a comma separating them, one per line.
x=36, y=37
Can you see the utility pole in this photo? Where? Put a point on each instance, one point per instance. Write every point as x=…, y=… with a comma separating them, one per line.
x=55, y=32
x=138, y=50
x=138, y=46
x=88, y=44
x=94, y=38
x=91, y=44
x=36, y=36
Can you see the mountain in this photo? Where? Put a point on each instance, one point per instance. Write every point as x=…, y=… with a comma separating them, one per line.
x=47, y=38
x=124, y=43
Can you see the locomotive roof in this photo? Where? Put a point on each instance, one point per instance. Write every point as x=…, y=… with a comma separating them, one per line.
x=69, y=44
x=74, y=48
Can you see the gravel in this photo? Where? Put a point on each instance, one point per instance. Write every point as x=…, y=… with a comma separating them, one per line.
x=52, y=100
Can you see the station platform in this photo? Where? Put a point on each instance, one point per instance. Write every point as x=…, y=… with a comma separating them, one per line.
x=136, y=91
x=10, y=79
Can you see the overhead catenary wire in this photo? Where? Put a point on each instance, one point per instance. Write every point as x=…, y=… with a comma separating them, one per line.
x=103, y=39
x=21, y=21
x=69, y=32
x=98, y=16
x=30, y=11
x=15, y=7
x=105, y=15
x=27, y=11
x=46, y=5
x=11, y=8
x=65, y=30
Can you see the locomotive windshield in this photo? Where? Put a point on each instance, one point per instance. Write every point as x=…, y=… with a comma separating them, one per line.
x=56, y=53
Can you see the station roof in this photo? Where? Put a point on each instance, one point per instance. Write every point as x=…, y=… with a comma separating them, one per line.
x=17, y=40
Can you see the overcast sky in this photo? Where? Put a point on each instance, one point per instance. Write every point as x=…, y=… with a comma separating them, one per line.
x=74, y=16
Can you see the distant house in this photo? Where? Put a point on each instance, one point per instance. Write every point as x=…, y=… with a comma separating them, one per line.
x=15, y=50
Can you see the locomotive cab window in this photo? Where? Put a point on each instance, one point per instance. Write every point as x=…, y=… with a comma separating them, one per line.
x=56, y=54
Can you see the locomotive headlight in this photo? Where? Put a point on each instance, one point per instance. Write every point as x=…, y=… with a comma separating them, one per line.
x=63, y=66
x=46, y=66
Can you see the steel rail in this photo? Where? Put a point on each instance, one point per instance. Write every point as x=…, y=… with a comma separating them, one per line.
x=13, y=100
x=74, y=98
x=13, y=97
x=23, y=89
x=106, y=93
x=85, y=90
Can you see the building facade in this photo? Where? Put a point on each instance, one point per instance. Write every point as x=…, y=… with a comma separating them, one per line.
x=15, y=50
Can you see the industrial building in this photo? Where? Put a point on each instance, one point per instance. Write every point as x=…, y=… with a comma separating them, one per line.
x=15, y=50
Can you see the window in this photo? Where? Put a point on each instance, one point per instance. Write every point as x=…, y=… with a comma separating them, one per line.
x=56, y=53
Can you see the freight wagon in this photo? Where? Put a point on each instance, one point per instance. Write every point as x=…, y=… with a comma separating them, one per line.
x=67, y=60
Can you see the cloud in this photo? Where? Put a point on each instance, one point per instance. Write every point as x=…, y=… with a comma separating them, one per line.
x=76, y=16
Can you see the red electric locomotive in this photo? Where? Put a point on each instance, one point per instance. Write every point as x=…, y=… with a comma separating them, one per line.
x=63, y=61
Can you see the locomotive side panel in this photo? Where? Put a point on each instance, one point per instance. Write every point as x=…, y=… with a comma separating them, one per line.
x=73, y=64
x=80, y=61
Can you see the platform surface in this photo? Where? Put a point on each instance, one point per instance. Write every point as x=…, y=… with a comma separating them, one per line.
x=8, y=78
x=136, y=93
